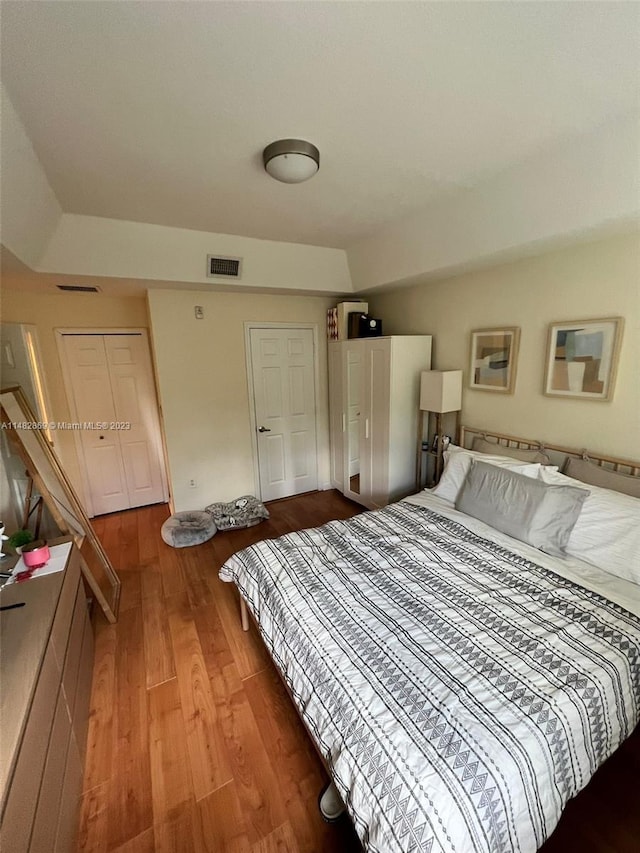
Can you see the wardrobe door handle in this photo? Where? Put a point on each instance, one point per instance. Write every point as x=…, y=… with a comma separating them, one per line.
x=366, y=427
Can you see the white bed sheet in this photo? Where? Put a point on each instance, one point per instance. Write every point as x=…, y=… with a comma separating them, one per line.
x=622, y=592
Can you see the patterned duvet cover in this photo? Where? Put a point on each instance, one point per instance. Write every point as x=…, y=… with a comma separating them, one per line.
x=460, y=693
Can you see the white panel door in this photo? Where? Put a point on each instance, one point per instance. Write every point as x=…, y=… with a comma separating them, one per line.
x=89, y=373
x=355, y=404
x=135, y=405
x=336, y=415
x=375, y=475
x=355, y=417
x=112, y=385
x=282, y=362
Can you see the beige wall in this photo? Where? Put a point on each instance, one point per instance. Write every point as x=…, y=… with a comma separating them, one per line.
x=202, y=379
x=96, y=246
x=202, y=373
x=76, y=310
x=599, y=279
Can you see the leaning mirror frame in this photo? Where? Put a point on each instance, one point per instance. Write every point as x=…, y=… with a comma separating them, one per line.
x=47, y=473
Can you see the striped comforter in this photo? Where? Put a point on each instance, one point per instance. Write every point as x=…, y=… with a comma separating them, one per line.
x=460, y=693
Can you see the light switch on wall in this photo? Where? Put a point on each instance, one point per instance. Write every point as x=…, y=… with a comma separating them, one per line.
x=199, y=312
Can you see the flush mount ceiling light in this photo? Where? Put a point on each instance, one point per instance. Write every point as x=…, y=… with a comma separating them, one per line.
x=291, y=160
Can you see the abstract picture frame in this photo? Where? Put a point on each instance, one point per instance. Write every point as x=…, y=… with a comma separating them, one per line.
x=494, y=359
x=582, y=358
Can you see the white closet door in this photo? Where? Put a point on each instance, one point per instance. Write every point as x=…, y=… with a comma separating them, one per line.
x=111, y=383
x=93, y=403
x=336, y=415
x=135, y=406
x=376, y=431
x=353, y=408
x=378, y=373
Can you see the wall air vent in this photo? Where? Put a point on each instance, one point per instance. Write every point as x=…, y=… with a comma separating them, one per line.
x=219, y=266
x=78, y=288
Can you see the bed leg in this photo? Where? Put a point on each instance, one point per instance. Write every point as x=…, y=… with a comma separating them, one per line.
x=244, y=614
x=330, y=803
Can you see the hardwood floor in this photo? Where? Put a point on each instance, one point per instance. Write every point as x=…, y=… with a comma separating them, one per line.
x=194, y=746
x=193, y=742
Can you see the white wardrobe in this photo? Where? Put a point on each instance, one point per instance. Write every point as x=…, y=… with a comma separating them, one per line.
x=373, y=397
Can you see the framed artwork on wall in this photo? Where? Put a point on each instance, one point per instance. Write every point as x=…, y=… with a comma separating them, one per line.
x=582, y=357
x=493, y=361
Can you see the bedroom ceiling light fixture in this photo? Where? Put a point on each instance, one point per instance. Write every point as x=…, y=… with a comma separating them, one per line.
x=291, y=160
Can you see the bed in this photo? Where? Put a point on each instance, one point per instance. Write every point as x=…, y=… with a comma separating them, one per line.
x=460, y=684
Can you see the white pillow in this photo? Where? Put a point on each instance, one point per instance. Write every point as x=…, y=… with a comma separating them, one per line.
x=457, y=462
x=607, y=532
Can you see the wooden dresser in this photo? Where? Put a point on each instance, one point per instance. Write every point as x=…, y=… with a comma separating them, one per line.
x=45, y=669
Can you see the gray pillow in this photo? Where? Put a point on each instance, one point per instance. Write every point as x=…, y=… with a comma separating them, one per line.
x=529, y=510
x=483, y=445
x=588, y=472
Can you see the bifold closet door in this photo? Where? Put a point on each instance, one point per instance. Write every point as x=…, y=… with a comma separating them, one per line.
x=135, y=405
x=118, y=425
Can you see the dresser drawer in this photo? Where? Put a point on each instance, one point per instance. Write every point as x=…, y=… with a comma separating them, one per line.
x=20, y=808
x=45, y=824
x=83, y=691
x=69, y=804
x=74, y=646
x=47, y=643
x=64, y=610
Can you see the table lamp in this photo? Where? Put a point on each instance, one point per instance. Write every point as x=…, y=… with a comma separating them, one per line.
x=440, y=392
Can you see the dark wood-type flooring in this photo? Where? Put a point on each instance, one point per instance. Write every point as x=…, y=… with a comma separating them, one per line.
x=194, y=746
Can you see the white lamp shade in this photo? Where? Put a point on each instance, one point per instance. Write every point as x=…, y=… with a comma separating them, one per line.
x=441, y=391
x=291, y=160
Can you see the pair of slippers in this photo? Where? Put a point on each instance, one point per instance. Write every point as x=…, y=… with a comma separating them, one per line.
x=243, y=512
x=195, y=527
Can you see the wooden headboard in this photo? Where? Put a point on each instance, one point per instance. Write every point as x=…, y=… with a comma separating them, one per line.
x=556, y=452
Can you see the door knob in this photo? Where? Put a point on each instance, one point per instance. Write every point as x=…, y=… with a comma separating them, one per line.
x=263, y=429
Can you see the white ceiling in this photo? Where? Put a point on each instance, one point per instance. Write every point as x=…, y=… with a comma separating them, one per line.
x=158, y=111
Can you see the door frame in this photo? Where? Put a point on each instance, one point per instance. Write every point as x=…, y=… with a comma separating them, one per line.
x=249, y=326
x=68, y=386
